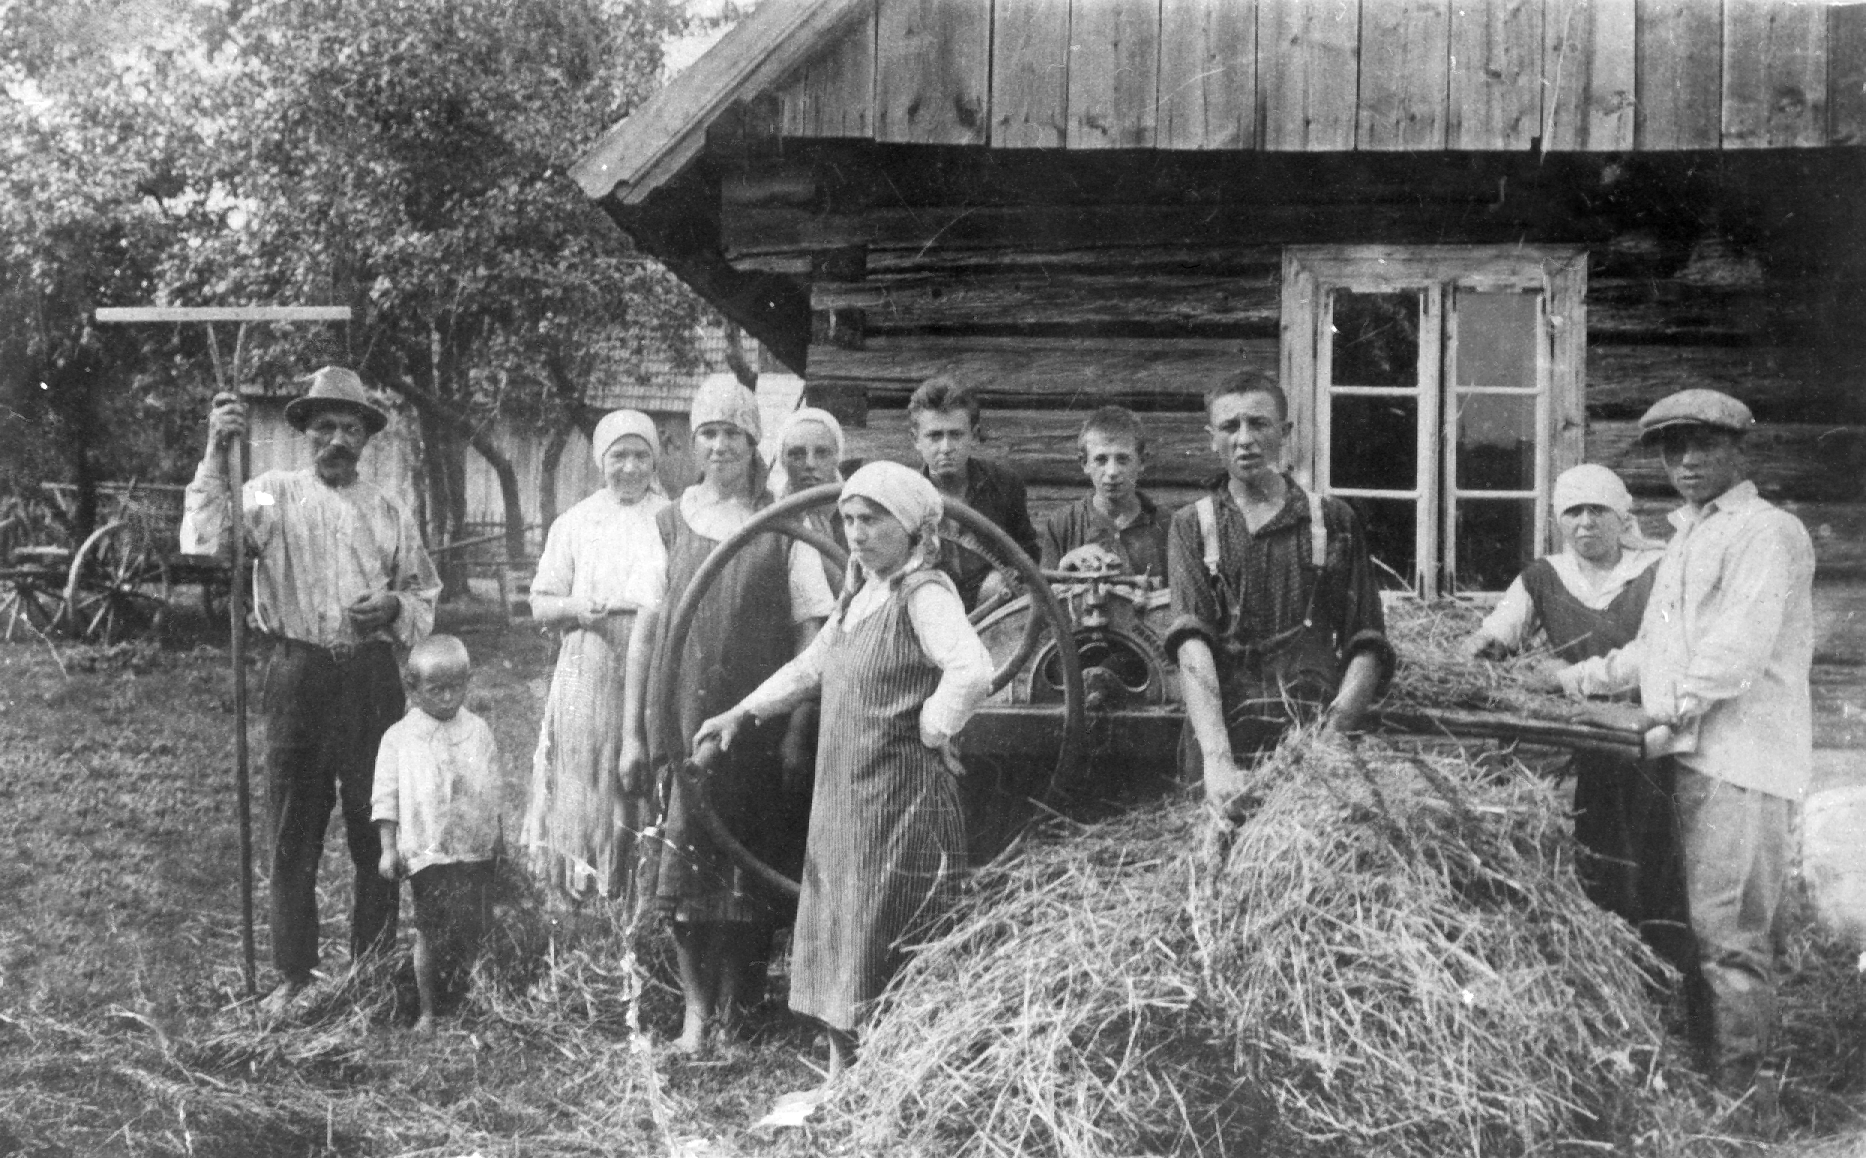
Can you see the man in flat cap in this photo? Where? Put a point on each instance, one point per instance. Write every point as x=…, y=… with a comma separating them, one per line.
x=1721, y=663
x=340, y=580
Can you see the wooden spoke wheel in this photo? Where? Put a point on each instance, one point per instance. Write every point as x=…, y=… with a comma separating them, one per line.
x=999, y=803
x=119, y=586
x=32, y=602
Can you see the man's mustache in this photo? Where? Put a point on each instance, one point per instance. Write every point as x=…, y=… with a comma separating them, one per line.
x=336, y=452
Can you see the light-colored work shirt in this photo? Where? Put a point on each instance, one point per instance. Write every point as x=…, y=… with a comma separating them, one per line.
x=721, y=518
x=1513, y=621
x=438, y=780
x=606, y=551
x=317, y=549
x=939, y=623
x=1727, y=641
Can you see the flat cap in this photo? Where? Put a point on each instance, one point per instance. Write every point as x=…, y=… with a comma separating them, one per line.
x=1695, y=408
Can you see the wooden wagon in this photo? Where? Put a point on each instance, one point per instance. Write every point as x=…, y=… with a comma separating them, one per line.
x=117, y=583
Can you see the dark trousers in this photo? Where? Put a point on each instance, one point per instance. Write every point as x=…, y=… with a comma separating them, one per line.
x=324, y=718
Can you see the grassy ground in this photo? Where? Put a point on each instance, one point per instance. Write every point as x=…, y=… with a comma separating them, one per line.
x=123, y=1028
x=124, y=1031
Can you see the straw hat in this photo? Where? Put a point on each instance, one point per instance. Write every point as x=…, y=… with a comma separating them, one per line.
x=335, y=388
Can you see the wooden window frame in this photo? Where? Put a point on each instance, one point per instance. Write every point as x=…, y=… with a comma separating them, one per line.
x=1311, y=273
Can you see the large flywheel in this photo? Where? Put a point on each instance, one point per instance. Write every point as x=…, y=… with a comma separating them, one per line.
x=1000, y=796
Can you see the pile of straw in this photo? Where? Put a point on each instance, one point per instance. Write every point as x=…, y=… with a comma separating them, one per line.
x=1390, y=955
x=1434, y=674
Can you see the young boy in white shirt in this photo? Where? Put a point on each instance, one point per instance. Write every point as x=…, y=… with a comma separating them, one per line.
x=436, y=804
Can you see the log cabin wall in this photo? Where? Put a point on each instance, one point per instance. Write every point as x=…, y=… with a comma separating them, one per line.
x=1076, y=204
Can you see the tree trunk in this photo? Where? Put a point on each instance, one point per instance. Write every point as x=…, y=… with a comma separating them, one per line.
x=736, y=360
x=547, y=473
x=458, y=425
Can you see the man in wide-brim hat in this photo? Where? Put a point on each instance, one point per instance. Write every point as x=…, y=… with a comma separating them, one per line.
x=340, y=581
x=1721, y=663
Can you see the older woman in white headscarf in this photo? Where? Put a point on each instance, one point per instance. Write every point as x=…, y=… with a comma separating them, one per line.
x=899, y=671
x=1589, y=595
x=603, y=565
x=1584, y=601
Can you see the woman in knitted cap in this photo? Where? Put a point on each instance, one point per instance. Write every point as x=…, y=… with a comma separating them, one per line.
x=763, y=608
x=899, y=671
x=1585, y=601
x=603, y=565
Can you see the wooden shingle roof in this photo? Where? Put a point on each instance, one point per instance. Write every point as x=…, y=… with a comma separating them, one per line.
x=1273, y=75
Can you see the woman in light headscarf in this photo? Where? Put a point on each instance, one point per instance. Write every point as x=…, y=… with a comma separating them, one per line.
x=1585, y=601
x=763, y=608
x=899, y=671
x=809, y=454
x=603, y=565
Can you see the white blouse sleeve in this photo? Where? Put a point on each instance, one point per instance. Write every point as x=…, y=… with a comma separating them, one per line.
x=1513, y=619
x=791, y=684
x=810, y=596
x=949, y=641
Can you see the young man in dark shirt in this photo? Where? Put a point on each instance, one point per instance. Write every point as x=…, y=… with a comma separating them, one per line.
x=1115, y=527
x=944, y=418
x=1261, y=623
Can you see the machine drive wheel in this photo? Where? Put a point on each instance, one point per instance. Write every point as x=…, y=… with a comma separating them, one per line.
x=783, y=518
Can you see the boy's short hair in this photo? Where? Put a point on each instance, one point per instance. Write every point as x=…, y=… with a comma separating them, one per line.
x=1113, y=422
x=436, y=651
x=1248, y=382
x=941, y=393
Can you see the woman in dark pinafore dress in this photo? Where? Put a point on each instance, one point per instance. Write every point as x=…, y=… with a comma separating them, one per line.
x=761, y=610
x=1587, y=602
x=900, y=670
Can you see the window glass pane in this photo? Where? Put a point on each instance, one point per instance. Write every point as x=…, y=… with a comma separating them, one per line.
x=1496, y=540
x=1497, y=442
x=1389, y=524
x=1496, y=339
x=1376, y=339
x=1373, y=442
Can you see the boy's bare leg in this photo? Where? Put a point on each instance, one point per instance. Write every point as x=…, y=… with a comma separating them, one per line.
x=691, y=944
x=841, y=1051
x=427, y=981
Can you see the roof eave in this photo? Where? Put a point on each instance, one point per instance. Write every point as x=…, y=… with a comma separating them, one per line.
x=662, y=137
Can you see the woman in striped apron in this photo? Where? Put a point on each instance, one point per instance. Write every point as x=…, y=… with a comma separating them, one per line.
x=899, y=670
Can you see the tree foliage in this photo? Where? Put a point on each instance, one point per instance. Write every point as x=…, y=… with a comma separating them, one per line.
x=95, y=141
x=409, y=158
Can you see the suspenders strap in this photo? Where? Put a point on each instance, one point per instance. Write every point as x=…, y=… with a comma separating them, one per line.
x=1208, y=532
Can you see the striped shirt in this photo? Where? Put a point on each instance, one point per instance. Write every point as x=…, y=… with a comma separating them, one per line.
x=318, y=549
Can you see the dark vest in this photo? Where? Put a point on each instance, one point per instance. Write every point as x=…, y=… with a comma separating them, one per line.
x=1575, y=630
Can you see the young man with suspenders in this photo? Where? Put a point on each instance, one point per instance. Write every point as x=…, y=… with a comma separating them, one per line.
x=1277, y=615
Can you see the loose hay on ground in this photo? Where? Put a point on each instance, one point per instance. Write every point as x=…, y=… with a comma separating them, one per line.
x=1391, y=955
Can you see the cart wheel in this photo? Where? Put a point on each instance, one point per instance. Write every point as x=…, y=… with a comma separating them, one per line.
x=119, y=586
x=997, y=808
x=31, y=606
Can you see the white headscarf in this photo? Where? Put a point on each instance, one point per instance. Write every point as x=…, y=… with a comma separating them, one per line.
x=721, y=398
x=913, y=501
x=780, y=477
x=620, y=423
x=1591, y=484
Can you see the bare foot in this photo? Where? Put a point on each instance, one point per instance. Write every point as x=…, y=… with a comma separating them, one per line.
x=693, y=1037
x=280, y=999
x=424, y=1025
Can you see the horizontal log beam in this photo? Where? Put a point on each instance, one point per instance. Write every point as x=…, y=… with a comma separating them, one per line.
x=1043, y=373
x=764, y=232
